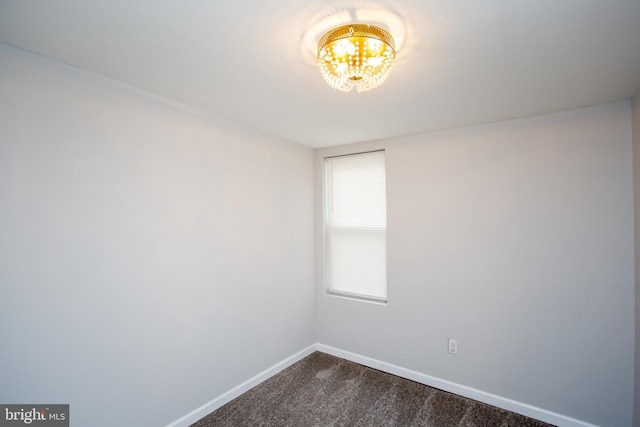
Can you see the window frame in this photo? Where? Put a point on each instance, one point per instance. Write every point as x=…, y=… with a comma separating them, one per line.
x=326, y=255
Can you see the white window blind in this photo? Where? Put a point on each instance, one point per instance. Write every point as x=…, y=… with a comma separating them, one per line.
x=356, y=225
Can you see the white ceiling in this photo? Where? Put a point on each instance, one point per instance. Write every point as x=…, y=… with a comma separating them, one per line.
x=462, y=62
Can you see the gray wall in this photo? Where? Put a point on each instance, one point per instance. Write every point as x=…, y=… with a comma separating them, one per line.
x=636, y=189
x=150, y=259
x=515, y=238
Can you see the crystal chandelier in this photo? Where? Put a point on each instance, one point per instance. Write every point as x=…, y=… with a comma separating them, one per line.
x=357, y=55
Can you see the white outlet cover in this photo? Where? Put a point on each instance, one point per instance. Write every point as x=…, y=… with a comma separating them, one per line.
x=453, y=346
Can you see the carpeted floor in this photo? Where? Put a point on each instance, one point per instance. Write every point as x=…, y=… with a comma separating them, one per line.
x=323, y=390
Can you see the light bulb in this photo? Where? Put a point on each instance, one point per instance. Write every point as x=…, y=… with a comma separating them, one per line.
x=375, y=61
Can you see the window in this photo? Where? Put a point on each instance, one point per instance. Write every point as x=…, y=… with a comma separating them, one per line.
x=356, y=225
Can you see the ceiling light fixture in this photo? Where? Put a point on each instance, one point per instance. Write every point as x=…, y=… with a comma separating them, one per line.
x=356, y=55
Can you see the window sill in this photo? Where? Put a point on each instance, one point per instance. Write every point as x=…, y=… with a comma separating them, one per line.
x=359, y=298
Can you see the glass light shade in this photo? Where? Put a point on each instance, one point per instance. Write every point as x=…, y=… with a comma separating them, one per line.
x=356, y=55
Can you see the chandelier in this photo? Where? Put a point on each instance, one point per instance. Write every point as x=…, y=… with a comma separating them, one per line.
x=356, y=55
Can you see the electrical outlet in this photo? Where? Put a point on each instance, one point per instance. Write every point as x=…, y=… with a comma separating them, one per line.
x=453, y=346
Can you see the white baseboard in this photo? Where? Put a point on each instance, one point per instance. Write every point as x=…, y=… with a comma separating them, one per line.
x=227, y=397
x=461, y=390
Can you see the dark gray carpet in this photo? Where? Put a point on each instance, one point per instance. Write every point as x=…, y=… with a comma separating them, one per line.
x=323, y=390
